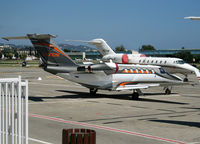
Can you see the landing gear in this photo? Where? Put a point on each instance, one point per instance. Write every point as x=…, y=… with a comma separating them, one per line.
x=136, y=94
x=93, y=91
x=185, y=79
x=167, y=91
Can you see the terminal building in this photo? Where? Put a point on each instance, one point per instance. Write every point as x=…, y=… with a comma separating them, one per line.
x=169, y=52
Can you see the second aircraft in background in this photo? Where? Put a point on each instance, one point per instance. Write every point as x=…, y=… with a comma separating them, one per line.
x=172, y=65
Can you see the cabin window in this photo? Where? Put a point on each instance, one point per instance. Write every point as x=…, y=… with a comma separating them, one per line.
x=139, y=61
x=140, y=71
x=148, y=61
x=150, y=71
x=156, y=61
x=152, y=61
x=180, y=62
x=160, y=62
x=143, y=61
x=125, y=71
x=165, y=62
x=145, y=71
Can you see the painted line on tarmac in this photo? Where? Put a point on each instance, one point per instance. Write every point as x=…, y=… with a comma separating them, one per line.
x=106, y=128
x=78, y=86
x=55, y=102
x=32, y=139
x=39, y=141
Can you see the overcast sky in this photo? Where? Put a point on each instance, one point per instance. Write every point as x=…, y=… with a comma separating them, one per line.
x=132, y=23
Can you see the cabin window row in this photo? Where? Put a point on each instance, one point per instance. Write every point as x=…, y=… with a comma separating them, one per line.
x=153, y=61
x=138, y=71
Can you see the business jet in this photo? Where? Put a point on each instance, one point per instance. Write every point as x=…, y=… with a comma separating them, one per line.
x=106, y=76
x=172, y=65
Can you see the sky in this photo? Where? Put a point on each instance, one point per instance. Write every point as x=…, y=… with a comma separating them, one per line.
x=131, y=23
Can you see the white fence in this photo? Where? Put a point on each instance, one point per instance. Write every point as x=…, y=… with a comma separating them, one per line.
x=14, y=111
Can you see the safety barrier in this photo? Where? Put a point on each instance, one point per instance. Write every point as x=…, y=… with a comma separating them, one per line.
x=14, y=111
x=78, y=136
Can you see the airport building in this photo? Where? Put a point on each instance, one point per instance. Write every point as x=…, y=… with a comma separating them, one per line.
x=169, y=52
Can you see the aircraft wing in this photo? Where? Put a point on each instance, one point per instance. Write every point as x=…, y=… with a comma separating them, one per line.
x=192, y=18
x=136, y=86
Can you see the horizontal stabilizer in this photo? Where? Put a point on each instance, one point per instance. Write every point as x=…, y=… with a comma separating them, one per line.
x=95, y=41
x=192, y=18
x=41, y=36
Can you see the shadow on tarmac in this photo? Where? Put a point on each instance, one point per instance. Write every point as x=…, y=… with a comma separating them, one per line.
x=84, y=95
x=185, y=123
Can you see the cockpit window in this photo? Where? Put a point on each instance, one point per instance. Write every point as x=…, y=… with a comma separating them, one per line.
x=180, y=62
x=162, y=70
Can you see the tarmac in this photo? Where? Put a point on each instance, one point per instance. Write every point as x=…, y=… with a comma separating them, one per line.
x=156, y=118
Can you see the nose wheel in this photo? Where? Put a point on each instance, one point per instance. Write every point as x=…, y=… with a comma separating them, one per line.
x=93, y=91
x=185, y=79
x=167, y=91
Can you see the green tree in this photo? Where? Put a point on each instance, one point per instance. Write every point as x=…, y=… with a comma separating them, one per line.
x=120, y=48
x=147, y=47
x=185, y=55
x=30, y=51
x=10, y=55
x=23, y=56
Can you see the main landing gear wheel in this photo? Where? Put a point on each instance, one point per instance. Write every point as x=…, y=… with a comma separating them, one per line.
x=185, y=79
x=167, y=91
x=135, y=96
x=93, y=91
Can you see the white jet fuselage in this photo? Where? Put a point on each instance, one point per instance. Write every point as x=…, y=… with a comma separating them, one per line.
x=173, y=65
x=131, y=75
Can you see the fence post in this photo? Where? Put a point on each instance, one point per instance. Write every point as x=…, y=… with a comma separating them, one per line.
x=13, y=111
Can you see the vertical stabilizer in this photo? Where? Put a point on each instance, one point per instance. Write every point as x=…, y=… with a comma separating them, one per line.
x=102, y=46
x=49, y=52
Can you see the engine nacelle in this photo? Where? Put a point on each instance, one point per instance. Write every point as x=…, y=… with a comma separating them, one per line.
x=118, y=58
x=122, y=58
x=108, y=68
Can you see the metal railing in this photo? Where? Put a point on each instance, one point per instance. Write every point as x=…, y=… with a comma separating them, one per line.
x=14, y=111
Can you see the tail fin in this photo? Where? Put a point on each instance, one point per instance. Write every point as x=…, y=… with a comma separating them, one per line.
x=101, y=45
x=49, y=52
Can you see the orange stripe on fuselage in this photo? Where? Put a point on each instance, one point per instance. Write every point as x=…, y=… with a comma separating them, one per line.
x=124, y=83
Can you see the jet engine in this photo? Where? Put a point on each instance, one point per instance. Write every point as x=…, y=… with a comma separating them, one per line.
x=118, y=58
x=122, y=58
x=108, y=68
